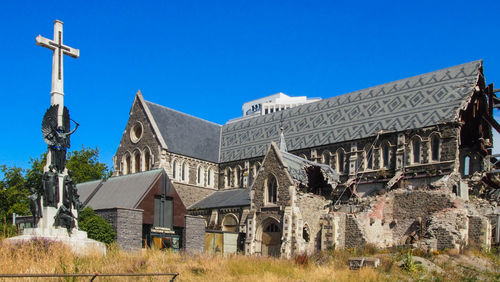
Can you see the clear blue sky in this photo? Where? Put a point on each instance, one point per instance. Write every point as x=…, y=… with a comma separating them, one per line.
x=206, y=58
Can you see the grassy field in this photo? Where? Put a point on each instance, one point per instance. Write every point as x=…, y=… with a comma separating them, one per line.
x=46, y=257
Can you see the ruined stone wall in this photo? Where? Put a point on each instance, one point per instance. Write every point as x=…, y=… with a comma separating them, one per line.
x=448, y=229
x=312, y=208
x=127, y=223
x=194, y=234
x=354, y=234
x=409, y=207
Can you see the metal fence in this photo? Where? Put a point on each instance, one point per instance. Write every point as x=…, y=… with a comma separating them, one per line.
x=92, y=276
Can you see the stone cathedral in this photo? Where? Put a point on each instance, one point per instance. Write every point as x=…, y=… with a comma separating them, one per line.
x=389, y=165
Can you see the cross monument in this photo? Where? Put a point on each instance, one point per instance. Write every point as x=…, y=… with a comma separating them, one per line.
x=57, y=90
x=55, y=204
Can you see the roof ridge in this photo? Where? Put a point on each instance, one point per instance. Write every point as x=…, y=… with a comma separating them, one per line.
x=398, y=80
x=191, y=116
x=135, y=174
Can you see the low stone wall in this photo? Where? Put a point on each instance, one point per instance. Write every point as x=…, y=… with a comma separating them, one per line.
x=127, y=224
x=194, y=234
x=480, y=232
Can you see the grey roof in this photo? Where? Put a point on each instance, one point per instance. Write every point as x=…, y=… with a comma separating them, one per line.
x=296, y=166
x=124, y=191
x=86, y=189
x=187, y=135
x=420, y=101
x=226, y=198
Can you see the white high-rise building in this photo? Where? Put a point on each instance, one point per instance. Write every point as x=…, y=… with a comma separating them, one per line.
x=274, y=103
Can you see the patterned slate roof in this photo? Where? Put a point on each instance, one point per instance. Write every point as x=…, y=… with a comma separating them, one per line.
x=123, y=191
x=187, y=135
x=226, y=198
x=415, y=102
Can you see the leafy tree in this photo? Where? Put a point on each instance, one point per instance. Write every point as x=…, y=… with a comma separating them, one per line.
x=16, y=183
x=85, y=165
x=96, y=227
x=13, y=193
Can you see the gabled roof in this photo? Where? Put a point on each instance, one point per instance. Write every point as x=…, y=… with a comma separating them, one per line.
x=420, y=101
x=186, y=135
x=123, y=191
x=226, y=198
x=86, y=189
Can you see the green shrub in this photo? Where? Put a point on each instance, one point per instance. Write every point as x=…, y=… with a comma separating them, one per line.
x=97, y=228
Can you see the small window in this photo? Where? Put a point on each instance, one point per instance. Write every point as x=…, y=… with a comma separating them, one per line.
x=467, y=165
x=369, y=157
x=416, y=150
x=174, y=169
x=128, y=164
x=305, y=234
x=183, y=172
x=325, y=158
x=209, y=177
x=340, y=161
x=147, y=160
x=200, y=175
x=137, y=160
x=435, y=147
x=272, y=189
x=385, y=155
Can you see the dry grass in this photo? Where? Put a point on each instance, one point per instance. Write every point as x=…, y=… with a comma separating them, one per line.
x=48, y=258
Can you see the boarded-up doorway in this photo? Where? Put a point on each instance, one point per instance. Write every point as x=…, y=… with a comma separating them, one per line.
x=271, y=238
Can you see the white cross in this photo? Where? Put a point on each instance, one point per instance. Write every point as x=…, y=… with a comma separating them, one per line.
x=57, y=91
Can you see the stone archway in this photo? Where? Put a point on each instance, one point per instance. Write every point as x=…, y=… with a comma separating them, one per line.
x=271, y=238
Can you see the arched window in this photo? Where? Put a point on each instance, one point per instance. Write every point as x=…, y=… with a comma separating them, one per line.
x=435, y=147
x=228, y=177
x=200, y=175
x=466, y=165
x=415, y=148
x=325, y=157
x=271, y=189
x=184, y=171
x=137, y=161
x=305, y=233
x=384, y=150
x=340, y=160
x=175, y=169
x=128, y=164
x=237, y=172
x=368, y=157
x=230, y=223
x=209, y=178
x=147, y=159
x=303, y=156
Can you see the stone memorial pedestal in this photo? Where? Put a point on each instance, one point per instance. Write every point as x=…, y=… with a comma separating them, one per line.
x=77, y=240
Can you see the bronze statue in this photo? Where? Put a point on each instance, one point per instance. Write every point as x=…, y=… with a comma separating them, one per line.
x=35, y=205
x=65, y=218
x=57, y=136
x=50, y=184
